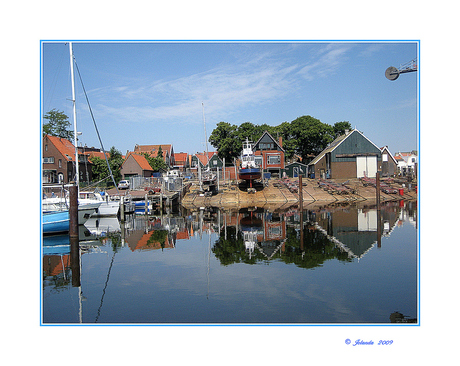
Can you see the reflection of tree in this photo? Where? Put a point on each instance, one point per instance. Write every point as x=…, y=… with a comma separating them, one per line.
x=316, y=249
x=158, y=236
x=232, y=249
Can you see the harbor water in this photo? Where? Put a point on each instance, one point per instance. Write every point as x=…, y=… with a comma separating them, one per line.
x=326, y=265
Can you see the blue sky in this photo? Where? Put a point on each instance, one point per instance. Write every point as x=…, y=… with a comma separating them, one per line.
x=152, y=92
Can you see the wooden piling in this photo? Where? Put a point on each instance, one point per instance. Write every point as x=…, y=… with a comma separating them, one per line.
x=122, y=209
x=75, y=260
x=73, y=211
x=377, y=187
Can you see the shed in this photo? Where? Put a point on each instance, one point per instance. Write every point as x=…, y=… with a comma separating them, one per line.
x=294, y=169
x=389, y=163
x=351, y=155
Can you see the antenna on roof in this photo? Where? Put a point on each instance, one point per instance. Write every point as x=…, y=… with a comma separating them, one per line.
x=392, y=73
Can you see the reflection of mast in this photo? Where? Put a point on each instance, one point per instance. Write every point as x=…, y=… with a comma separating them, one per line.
x=209, y=260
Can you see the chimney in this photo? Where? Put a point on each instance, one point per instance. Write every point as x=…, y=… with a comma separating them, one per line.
x=280, y=141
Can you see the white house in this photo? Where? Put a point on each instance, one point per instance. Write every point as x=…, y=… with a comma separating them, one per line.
x=407, y=162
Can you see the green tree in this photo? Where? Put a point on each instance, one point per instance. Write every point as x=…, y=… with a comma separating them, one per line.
x=100, y=169
x=311, y=136
x=156, y=163
x=115, y=160
x=58, y=124
x=225, y=139
x=160, y=152
x=340, y=128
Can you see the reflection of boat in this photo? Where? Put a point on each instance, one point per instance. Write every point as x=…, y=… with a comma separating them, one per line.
x=102, y=226
x=249, y=170
x=58, y=221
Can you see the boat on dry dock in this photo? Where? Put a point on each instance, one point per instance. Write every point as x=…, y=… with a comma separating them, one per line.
x=249, y=170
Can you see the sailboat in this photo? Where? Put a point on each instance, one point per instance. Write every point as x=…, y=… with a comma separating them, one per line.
x=86, y=200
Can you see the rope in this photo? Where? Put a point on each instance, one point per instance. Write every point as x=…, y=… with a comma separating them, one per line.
x=95, y=126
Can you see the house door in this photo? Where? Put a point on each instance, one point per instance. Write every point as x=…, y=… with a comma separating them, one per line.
x=366, y=166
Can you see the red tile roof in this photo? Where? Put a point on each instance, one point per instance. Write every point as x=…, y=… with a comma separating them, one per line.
x=64, y=146
x=140, y=160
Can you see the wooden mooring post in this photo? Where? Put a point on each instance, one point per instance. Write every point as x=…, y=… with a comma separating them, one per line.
x=73, y=211
x=73, y=235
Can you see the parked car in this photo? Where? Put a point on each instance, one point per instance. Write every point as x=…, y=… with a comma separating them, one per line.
x=123, y=184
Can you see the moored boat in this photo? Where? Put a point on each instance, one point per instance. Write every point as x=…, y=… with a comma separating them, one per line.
x=59, y=221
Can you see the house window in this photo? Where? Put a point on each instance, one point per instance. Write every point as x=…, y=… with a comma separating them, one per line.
x=60, y=163
x=384, y=157
x=274, y=159
x=266, y=146
x=214, y=163
x=48, y=160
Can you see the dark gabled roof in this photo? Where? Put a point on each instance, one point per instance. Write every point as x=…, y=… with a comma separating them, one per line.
x=266, y=133
x=336, y=143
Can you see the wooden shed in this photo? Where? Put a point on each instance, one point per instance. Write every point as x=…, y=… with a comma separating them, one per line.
x=351, y=155
x=294, y=169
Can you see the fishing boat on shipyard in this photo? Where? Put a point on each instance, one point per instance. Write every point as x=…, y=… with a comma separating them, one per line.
x=249, y=170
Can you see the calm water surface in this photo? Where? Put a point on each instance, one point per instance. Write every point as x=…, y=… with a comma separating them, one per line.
x=347, y=265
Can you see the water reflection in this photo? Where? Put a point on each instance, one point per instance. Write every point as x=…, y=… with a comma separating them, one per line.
x=248, y=235
x=283, y=238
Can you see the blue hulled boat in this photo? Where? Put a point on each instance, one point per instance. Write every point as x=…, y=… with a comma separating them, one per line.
x=249, y=170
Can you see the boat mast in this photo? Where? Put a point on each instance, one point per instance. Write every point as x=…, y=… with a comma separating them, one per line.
x=205, y=136
x=75, y=133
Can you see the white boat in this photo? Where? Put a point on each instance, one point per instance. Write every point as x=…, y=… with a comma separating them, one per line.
x=107, y=207
x=102, y=207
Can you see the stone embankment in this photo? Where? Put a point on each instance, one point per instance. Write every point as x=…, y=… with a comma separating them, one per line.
x=278, y=194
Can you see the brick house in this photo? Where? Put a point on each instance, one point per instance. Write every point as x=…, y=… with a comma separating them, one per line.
x=59, y=161
x=270, y=154
x=135, y=165
x=152, y=150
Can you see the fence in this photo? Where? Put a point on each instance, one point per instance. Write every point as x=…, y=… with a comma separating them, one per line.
x=171, y=184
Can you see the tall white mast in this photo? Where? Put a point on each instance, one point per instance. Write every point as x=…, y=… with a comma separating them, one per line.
x=75, y=133
x=205, y=135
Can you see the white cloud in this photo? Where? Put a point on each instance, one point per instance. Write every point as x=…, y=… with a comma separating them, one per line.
x=326, y=61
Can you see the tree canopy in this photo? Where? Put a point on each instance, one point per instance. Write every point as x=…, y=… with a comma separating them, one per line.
x=100, y=169
x=58, y=124
x=305, y=136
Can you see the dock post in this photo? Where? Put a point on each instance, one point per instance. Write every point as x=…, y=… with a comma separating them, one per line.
x=73, y=234
x=122, y=209
x=379, y=226
x=377, y=187
x=73, y=211
x=301, y=211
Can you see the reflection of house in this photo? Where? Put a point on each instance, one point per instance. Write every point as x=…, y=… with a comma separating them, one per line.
x=357, y=231
x=351, y=155
x=138, y=240
x=59, y=160
x=270, y=154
